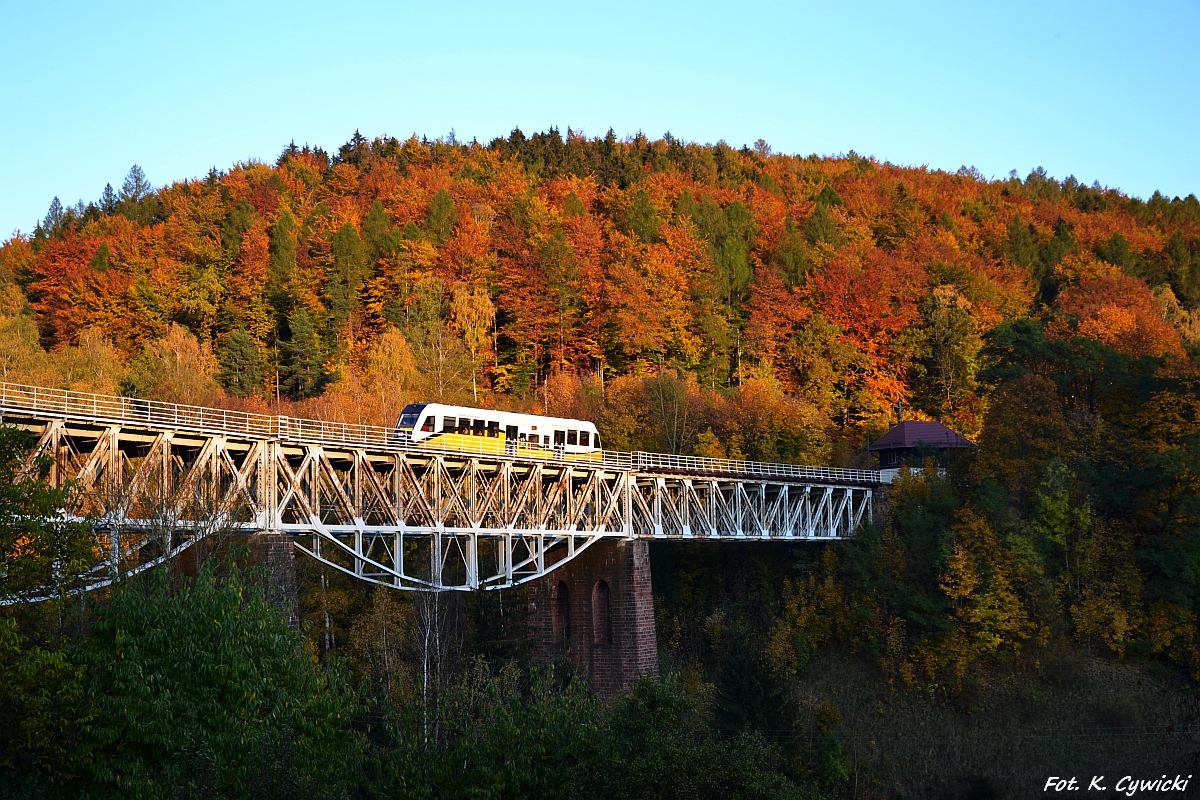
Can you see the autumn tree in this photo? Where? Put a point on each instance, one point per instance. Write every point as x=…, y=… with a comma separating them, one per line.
x=177, y=368
x=474, y=315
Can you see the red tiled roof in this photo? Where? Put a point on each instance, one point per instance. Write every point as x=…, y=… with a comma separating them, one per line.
x=914, y=434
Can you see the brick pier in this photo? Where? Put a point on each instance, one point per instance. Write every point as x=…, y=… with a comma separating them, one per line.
x=598, y=611
x=275, y=551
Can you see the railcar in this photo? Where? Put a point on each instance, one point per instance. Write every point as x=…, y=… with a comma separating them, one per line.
x=480, y=430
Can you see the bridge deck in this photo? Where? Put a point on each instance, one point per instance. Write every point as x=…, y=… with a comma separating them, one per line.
x=21, y=401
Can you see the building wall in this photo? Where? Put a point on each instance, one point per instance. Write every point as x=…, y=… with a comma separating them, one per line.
x=612, y=659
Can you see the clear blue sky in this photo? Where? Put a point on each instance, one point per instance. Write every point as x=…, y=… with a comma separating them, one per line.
x=1103, y=91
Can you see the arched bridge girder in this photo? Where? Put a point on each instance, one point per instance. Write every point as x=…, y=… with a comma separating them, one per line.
x=397, y=515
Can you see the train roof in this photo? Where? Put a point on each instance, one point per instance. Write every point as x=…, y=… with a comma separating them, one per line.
x=501, y=416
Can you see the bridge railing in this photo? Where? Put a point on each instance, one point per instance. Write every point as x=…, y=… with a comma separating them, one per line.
x=694, y=464
x=201, y=419
x=130, y=410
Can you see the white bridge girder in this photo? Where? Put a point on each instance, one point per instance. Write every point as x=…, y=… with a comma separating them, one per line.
x=399, y=515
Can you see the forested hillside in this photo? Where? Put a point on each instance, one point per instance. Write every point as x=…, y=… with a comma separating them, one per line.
x=705, y=300
x=441, y=269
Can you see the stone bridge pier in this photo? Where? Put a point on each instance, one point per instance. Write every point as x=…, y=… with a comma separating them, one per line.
x=598, y=611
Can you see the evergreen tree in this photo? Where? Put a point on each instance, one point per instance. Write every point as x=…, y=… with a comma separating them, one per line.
x=136, y=188
x=820, y=227
x=733, y=251
x=100, y=260
x=1116, y=251
x=790, y=257
x=240, y=218
x=1021, y=246
x=573, y=206
x=303, y=374
x=442, y=217
x=136, y=199
x=283, y=261
x=377, y=234
x=1185, y=270
x=288, y=152
x=346, y=277
x=108, y=200
x=241, y=365
x=641, y=219
x=828, y=196
x=54, y=216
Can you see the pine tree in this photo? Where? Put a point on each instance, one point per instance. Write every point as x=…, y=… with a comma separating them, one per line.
x=54, y=217
x=303, y=374
x=241, y=365
x=377, y=234
x=108, y=200
x=346, y=275
x=1021, y=246
x=136, y=200
x=790, y=257
x=573, y=206
x=820, y=227
x=442, y=216
x=641, y=218
x=283, y=261
x=100, y=260
x=136, y=188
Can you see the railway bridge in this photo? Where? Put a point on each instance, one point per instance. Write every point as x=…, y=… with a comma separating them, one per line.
x=155, y=478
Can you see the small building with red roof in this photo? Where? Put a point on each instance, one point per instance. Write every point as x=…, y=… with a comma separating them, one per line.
x=896, y=446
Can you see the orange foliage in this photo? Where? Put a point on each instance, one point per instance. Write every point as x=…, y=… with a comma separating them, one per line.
x=1119, y=311
x=837, y=255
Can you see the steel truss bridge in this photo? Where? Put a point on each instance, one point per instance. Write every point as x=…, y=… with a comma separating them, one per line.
x=154, y=478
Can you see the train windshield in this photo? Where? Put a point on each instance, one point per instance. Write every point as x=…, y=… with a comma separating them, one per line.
x=409, y=416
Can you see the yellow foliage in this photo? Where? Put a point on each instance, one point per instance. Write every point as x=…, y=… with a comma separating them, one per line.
x=961, y=579
x=375, y=394
x=1077, y=266
x=177, y=368
x=815, y=612
x=94, y=365
x=980, y=578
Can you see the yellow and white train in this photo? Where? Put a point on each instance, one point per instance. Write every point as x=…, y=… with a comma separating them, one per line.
x=480, y=430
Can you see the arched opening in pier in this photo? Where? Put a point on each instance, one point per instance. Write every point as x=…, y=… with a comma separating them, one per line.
x=560, y=613
x=601, y=630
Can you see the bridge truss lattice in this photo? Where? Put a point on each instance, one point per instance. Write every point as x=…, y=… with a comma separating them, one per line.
x=156, y=478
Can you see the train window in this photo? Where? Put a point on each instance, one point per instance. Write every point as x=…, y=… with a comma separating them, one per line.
x=449, y=424
x=493, y=430
x=560, y=438
x=408, y=417
x=477, y=427
x=427, y=424
x=572, y=437
x=584, y=436
x=596, y=442
x=522, y=437
x=464, y=426
x=510, y=433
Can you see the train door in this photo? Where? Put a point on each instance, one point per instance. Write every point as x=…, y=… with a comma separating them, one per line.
x=510, y=439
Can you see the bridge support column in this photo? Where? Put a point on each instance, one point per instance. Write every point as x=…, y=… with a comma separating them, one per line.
x=275, y=552
x=598, y=611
